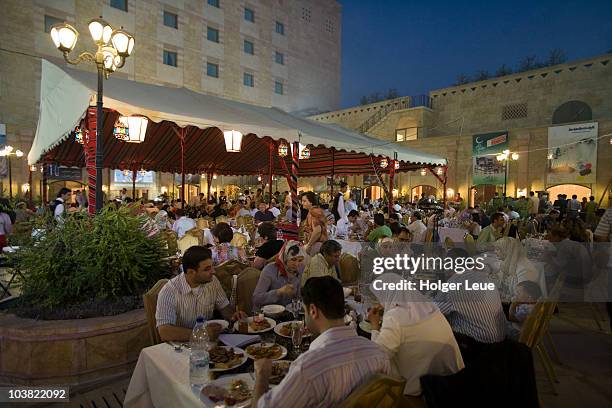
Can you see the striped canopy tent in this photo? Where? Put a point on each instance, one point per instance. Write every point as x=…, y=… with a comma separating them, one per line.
x=185, y=133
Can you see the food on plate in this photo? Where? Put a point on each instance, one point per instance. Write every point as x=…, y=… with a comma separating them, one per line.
x=224, y=358
x=270, y=351
x=279, y=371
x=286, y=329
x=237, y=391
x=259, y=325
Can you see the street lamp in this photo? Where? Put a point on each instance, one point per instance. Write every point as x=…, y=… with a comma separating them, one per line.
x=506, y=156
x=7, y=152
x=114, y=46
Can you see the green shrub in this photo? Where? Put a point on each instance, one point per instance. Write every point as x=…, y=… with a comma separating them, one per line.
x=99, y=258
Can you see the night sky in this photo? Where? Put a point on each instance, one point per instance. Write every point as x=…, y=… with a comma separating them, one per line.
x=417, y=46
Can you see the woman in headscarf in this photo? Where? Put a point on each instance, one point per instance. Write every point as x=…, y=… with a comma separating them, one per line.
x=279, y=281
x=415, y=334
x=515, y=267
x=161, y=219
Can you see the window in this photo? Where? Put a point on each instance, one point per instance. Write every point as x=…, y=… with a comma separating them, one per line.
x=278, y=88
x=212, y=70
x=212, y=34
x=170, y=58
x=249, y=47
x=280, y=28
x=306, y=14
x=514, y=111
x=249, y=15
x=214, y=3
x=572, y=111
x=248, y=80
x=119, y=4
x=170, y=19
x=402, y=135
x=279, y=57
x=50, y=21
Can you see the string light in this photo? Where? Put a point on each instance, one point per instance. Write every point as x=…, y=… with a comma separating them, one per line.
x=384, y=163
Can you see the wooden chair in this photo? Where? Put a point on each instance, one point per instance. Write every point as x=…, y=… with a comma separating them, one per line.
x=150, y=307
x=203, y=223
x=380, y=391
x=245, y=286
x=470, y=245
x=349, y=268
x=226, y=271
x=222, y=218
x=239, y=240
x=448, y=243
x=171, y=240
x=191, y=238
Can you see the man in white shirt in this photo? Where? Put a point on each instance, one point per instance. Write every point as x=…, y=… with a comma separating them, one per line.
x=512, y=215
x=274, y=208
x=63, y=196
x=195, y=292
x=337, y=362
x=417, y=228
x=533, y=204
x=573, y=207
x=350, y=205
x=183, y=223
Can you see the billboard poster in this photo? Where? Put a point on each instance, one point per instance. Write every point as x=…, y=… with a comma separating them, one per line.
x=485, y=167
x=572, y=154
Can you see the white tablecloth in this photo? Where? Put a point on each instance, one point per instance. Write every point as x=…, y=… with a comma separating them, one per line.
x=351, y=247
x=455, y=234
x=161, y=379
x=493, y=262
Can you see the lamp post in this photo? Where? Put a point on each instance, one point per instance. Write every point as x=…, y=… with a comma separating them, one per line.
x=114, y=46
x=7, y=152
x=506, y=156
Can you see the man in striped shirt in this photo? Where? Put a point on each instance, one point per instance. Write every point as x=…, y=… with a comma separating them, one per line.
x=195, y=292
x=337, y=362
x=475, y=314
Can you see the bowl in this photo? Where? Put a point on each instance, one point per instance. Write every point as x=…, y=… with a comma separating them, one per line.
x=273, y=309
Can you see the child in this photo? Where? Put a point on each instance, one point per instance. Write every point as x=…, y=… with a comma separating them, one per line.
x=527, y=294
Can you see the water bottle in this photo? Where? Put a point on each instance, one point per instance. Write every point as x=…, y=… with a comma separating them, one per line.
x=199, y=358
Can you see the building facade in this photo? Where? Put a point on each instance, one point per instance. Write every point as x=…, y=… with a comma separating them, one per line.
x=281, y=53
x=526, y=107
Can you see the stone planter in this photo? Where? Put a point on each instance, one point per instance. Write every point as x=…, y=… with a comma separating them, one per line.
x=73, y=353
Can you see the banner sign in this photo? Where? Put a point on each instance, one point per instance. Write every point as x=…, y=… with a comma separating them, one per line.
x=55, y=172
x=370, y=180
x=572, y=154
x=485, y=167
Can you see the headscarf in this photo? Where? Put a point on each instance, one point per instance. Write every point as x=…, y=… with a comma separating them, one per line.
x=408, y=307
x=161, y=219
x=283, y=256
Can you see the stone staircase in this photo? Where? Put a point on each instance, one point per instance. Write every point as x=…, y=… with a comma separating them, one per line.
x=404, y=102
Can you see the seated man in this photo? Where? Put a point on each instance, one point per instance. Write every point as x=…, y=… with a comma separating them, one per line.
x=381, y=229
x=494, y=231
x=416, y=227
x=325, y=262
x=195, y=292
x=263, y=214
x=337, y=362
x=270, y=246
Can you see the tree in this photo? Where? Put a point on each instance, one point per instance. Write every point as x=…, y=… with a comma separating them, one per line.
x=462, y=79
x=375, y=97
x=527, y=63
x=482, y=75
x=503, y=70
x=556, y=56
x=363, y=100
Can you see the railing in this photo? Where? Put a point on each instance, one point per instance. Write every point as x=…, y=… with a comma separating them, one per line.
x=396, y=104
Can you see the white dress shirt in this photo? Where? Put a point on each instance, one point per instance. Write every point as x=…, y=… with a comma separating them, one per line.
x=275, y=211
x=182, y=225
x=417, y=229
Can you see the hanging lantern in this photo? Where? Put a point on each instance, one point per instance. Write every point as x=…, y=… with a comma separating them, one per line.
x=258, y=178
x=384, y=163
x=126, y=173
x=396, y=164
x=439, y=171
x=79, y=135
x=283, y=149
x=214, y=176
x=131, y=129
x=233, y=141
x=142, y=172
x=423, y=172
x=305, y=153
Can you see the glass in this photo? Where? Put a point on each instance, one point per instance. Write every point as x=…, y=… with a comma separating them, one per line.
x=296, y=336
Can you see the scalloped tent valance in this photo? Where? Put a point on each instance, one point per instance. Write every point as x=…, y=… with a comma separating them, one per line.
x=65, y=95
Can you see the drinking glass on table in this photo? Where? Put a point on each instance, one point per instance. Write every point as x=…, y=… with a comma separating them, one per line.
x=296, y=336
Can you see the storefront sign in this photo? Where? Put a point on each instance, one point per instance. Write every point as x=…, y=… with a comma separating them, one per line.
x=485, y=167
x=572, y=154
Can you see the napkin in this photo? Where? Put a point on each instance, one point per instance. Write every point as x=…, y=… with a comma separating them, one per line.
x=238, y=340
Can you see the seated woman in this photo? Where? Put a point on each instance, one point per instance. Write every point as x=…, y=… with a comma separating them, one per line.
x=223, y=251
x=515, y=267
x=270, y=247
x=473, y=225
x=415, y=334
x=279, y=281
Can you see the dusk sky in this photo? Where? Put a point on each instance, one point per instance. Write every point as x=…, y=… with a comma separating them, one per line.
x=417, y=46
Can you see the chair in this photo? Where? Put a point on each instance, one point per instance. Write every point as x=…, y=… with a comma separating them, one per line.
x=448, y=243
x=245, y=286
x=191, y=238
x=470, y=245
x=222, y=218
x=203, y=223
x=239, y=240
x=171, y=240
x=150, y=307
x=349, y=268
x=225, y=271
x=378, y=392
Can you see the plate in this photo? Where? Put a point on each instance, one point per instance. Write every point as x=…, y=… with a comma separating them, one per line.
x=347, y=292
x=279, y=371
x=224, y=323
x=271, y=321
x=279, y=326
x=236, y=350
x=252, y=347
x=225, y=382
x=365, y=326
x=273, y=309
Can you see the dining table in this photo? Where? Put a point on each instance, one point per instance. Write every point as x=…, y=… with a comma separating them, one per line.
x=353, y=247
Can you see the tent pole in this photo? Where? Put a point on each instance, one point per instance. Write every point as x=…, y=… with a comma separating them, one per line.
x=391, y=177
x=134, y=183
x=182, y=140
x=293, y=185
x=271, y=148
x=208, y=181
x=333, y=151
x=30, y=205
x=89, y=147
